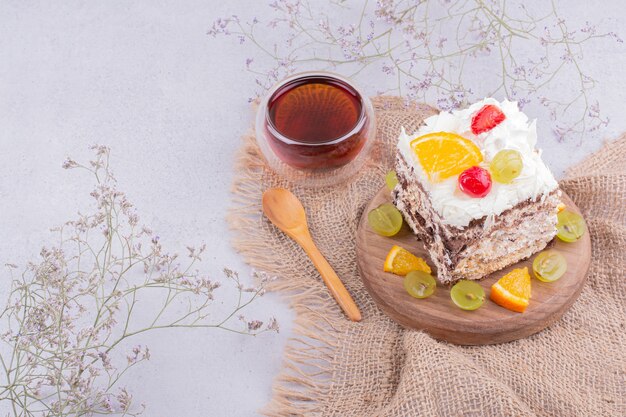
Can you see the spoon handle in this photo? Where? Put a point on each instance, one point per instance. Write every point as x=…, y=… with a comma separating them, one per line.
x=332, y=281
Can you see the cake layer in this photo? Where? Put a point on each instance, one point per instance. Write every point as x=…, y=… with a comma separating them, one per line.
x=486, y=244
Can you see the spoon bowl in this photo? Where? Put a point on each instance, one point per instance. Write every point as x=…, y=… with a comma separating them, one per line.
x=284, y=210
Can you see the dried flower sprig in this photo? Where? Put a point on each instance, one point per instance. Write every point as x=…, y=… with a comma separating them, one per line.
x=69, y=312
x=449, y=52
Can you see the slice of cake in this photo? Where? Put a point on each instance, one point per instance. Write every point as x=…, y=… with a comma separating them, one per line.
x=472, y=186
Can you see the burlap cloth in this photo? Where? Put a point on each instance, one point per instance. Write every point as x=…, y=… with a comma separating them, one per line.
x=333, y=367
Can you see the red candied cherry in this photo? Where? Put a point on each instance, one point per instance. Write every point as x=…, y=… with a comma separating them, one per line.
x=475, y=182
x=488, y=117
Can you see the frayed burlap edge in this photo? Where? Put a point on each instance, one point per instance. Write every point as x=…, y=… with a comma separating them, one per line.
x=307, y=358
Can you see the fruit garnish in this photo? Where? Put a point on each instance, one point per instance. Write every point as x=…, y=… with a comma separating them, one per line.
x=400, y=261
x=444, y=154
x=570, y=226
x=512, y=291
x=419, y=284
x=475, y=182
x=549, y=266
x=560, y=207
x=485, y=119
x=386, y=220
x=506, y=166
x=391, y=180
x=467, y=295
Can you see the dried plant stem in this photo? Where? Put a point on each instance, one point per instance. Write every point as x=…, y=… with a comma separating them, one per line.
x=69, y=314
x=526, y=51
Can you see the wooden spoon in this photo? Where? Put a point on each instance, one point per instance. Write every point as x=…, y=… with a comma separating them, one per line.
x=286, y=212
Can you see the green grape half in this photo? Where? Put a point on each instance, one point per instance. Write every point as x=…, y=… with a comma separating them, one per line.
x=570, y=226
x=391, y=180
x=467, y=295
x=386, y=220
x=506, y=166
x=549, y=265
x=419, y=284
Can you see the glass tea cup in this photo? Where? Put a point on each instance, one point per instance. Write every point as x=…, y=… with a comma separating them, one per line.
x=315, y=128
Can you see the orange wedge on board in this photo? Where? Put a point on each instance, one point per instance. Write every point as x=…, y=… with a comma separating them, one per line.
x=444, y=154
x=512, y=291
x=400, y=261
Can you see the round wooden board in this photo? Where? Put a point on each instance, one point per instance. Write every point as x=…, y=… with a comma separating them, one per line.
x=437, y=314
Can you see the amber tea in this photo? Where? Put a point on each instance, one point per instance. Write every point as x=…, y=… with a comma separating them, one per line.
x=316, y=122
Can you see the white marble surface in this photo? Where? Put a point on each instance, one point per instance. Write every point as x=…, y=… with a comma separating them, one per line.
x=143, y=78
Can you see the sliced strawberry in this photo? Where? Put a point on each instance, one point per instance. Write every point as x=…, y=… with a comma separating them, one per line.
x=485, y=119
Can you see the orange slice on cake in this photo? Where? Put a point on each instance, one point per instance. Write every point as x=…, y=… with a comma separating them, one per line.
x=512, y=291
x=445, y=154
x=400, y=261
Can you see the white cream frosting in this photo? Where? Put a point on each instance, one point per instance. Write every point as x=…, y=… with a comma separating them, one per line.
x=515, y=132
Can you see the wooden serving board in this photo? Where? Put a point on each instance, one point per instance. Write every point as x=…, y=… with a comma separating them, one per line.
x=438, y=316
